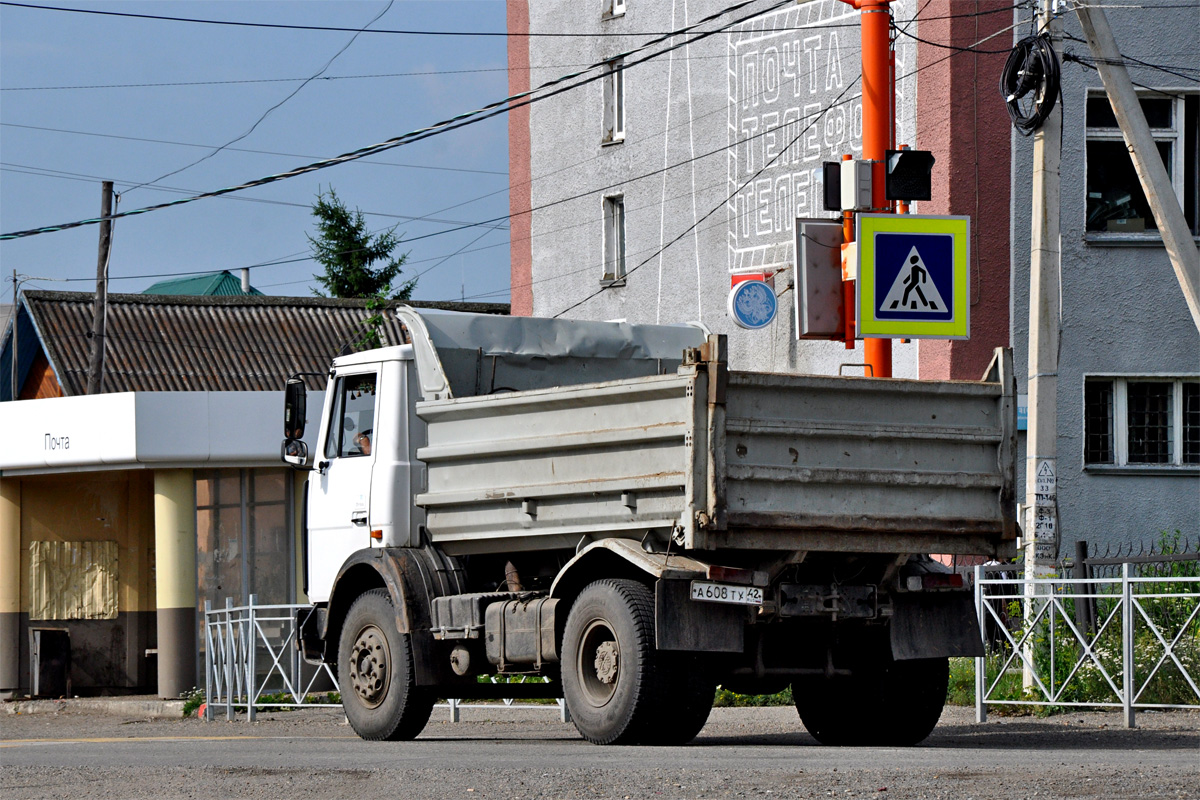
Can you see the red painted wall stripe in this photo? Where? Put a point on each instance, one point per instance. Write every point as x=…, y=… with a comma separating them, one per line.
x=520, y=176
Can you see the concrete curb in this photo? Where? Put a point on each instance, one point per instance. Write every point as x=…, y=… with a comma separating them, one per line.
x=132, y=707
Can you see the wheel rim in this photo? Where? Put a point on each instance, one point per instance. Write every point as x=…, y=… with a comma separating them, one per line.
x=598, y=666
x=370, y=663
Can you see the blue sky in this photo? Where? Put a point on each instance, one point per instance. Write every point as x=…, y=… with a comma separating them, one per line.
x=50, y=177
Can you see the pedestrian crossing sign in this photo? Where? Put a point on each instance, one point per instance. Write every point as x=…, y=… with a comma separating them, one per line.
x=913, y=276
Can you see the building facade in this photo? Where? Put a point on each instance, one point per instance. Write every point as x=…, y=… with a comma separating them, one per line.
x=123, y=513
x=1128, y=400
x=637, y=196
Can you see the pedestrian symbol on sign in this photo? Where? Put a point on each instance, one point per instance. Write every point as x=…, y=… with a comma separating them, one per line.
x=914, y=277
x=913, y=290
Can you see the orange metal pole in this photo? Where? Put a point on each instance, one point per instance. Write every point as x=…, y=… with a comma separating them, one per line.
x=850, y=312
x=875, y=21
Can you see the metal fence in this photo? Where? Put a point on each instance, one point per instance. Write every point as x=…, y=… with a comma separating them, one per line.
x=1129, y=642
x=250, y=651
x=251, y=662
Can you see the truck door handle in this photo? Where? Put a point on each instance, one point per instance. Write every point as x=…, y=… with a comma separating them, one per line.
x=359, y=519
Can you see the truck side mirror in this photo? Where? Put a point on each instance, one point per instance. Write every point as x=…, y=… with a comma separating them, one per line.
x=294, y=452
x=295, y=400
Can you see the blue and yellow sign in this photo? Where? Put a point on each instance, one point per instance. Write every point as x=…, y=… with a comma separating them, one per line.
x=914, y=276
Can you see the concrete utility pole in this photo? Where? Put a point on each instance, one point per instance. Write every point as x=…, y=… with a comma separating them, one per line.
x=1156, y=184
x=1045, y=318
x=95, y=384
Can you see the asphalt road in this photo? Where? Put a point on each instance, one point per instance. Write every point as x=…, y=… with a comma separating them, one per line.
x=519, y=753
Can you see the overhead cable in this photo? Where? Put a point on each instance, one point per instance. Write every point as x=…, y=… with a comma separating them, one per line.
x=1031, y=70
x=461, y=120
x=268, y=112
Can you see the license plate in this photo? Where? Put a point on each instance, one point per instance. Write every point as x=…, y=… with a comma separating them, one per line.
x=724, y=593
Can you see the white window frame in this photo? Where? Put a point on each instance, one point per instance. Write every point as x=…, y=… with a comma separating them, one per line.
x=613, y=8
x=613, y=130
x=614, y=241
x=1175, y=135
x=1120, y=423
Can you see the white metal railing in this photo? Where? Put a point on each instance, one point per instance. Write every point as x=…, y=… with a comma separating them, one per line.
x=239, y=640
x=235, y=639
x=1055, y=654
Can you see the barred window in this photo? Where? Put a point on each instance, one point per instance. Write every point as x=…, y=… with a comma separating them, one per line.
x=1150, y=422
x=1191, y=422
x=1141, y=421
x=1098, y=411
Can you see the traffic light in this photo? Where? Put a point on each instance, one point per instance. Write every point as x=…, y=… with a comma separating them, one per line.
x=909, y=175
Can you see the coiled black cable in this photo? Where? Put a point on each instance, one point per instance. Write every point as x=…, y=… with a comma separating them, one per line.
x=1032, y=66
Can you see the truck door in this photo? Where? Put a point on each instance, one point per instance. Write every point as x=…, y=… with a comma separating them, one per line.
x=339, y=500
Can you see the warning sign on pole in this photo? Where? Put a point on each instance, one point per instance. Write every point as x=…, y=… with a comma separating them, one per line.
x=914, y=276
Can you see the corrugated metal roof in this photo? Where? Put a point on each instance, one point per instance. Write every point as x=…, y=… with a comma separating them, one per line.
x=218, y=283
x=180, y=343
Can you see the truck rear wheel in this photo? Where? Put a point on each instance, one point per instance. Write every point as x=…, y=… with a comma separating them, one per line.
x=609, y=661
x=375, y=673
x=898, y=705
x=685, y=695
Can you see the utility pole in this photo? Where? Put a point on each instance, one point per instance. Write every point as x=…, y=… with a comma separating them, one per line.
x=95, y=384
x=877, y=101
x=1045, y=317
x=1156, y=184
x=12, y=354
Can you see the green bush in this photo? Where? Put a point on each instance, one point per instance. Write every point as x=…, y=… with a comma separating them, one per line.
x=728, y=699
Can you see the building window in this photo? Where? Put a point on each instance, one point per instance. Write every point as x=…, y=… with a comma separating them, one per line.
x=614, y=102
x=1116, y=203
x=614, y=8
x=1141, y=421
x=614, y=240
x=244, y=543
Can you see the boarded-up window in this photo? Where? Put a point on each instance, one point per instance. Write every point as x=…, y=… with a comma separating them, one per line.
x=73, y=580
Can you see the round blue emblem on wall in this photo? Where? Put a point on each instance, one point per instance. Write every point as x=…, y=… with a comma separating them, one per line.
x=752, y=304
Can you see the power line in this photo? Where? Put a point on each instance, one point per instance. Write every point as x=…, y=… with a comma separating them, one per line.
x=773, y=159
x=46, y=172
x=244, y=149
x=411, y=32
x=171, y=84
x=836, y=101
x=336, y=29
x=268, y=112
x=288, y=259
x=454, y=123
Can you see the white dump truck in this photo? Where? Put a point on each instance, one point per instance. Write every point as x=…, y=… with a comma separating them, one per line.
x=612, y=508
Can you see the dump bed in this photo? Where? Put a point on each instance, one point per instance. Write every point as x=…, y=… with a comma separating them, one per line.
x=718, y=459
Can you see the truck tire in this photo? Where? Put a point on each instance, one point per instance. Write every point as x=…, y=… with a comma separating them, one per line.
x=684, y=696
x=375, y=673
x=896, y=706
x=608, y=666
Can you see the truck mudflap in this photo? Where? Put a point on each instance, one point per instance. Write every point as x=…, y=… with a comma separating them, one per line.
x=934, y=625
x=680, y=623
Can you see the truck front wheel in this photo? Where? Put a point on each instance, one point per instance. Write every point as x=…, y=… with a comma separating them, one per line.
x=375, y=673
x=608, y=661
x=897, y=705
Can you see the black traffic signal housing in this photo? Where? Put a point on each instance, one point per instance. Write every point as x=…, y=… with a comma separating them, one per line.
x=909, y=175
x=832, y=179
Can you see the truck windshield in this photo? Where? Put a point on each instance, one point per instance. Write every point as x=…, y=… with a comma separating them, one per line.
x=351, y=425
